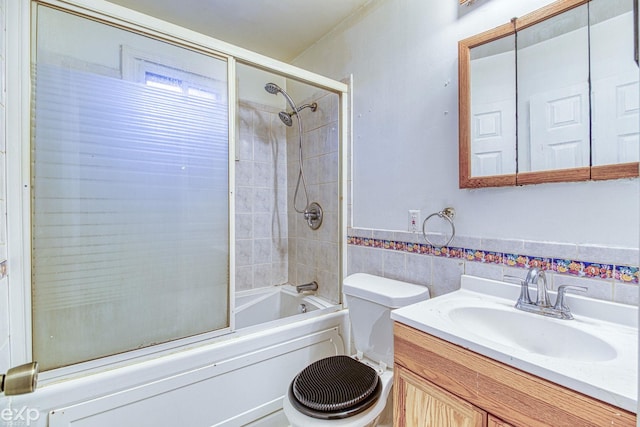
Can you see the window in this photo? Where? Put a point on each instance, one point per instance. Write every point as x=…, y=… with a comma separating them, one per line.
x=167, y=73
x=162, y=82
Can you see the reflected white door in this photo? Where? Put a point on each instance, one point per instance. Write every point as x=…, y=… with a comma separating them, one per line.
x=615, y=115
x=559, y=121
x=493, y=139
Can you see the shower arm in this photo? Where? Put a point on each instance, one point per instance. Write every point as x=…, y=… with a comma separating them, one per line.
x=312, y=107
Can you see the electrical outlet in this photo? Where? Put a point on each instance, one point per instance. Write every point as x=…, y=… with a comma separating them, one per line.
x=414, y=220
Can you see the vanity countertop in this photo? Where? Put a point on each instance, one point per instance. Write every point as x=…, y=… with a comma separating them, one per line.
x=596, y=353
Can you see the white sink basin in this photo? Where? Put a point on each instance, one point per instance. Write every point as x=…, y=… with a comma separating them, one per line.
x=596, y=353
x=534, y=334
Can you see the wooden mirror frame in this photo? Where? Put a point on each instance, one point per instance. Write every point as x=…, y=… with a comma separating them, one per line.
x=464, y=109
x=603, y=172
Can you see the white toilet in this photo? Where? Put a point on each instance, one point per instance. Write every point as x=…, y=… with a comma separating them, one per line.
x=354, y=391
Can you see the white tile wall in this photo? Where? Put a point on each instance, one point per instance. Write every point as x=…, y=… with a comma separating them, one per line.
x=314, y=255
x=273, y=244
x=442, y=275
x=261, y=219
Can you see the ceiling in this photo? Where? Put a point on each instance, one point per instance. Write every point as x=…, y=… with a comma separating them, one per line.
x=281, y=29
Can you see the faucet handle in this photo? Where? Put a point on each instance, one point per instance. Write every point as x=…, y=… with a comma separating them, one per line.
x=562, y=290
x=524, y=288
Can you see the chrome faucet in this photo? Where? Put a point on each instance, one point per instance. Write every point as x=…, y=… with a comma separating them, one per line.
x=312, y=286
x=535, y=276
x=542, y=306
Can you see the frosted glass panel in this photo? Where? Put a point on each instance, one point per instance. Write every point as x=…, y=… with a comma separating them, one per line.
x=130, y=243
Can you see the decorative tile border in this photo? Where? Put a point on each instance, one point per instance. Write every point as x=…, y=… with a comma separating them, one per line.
x=620, y=273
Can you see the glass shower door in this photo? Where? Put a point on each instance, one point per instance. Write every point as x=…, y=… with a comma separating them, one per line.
x=130, y=191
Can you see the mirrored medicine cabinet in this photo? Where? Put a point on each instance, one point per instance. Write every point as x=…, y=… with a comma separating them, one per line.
x=552, y=96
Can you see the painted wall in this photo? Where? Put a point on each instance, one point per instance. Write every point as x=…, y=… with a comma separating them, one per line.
x=403, y=55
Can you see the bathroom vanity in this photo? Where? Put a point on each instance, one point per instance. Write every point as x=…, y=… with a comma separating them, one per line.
x=439, y=383
x=451, y=371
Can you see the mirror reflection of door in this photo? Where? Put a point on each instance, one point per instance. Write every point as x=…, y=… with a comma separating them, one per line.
x=560, y=128
x=553, y=88
x=615, y=93
x=615, y=120
x=493, y=108
x=493, y=138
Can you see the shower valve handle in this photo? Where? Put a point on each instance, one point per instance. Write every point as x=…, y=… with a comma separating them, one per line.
x=310, y=215
x=313, y=215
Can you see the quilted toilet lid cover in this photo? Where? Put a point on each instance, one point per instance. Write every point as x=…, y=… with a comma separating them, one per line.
x=334, y=383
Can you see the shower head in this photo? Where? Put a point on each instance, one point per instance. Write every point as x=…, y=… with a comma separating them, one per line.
x=272, y=88
x=286, y=117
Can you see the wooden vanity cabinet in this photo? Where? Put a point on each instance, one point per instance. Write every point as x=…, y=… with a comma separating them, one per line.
x=425, y=404
x=497, y=422
x=439, y=384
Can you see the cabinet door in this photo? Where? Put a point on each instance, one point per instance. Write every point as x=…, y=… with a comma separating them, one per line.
x=497, y=422
x=418, y=403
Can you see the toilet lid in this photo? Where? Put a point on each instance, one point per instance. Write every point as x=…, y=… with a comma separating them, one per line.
x=335, y=387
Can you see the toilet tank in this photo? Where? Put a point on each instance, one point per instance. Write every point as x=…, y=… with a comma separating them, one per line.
x=370, y=300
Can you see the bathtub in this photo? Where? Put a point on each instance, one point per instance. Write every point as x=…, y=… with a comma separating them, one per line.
x=276, y=303
x=236, y=379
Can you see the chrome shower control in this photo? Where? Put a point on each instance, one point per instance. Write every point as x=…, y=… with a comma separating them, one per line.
x=313, y=215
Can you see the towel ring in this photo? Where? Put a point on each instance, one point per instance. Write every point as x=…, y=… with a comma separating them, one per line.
x=447, y=214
